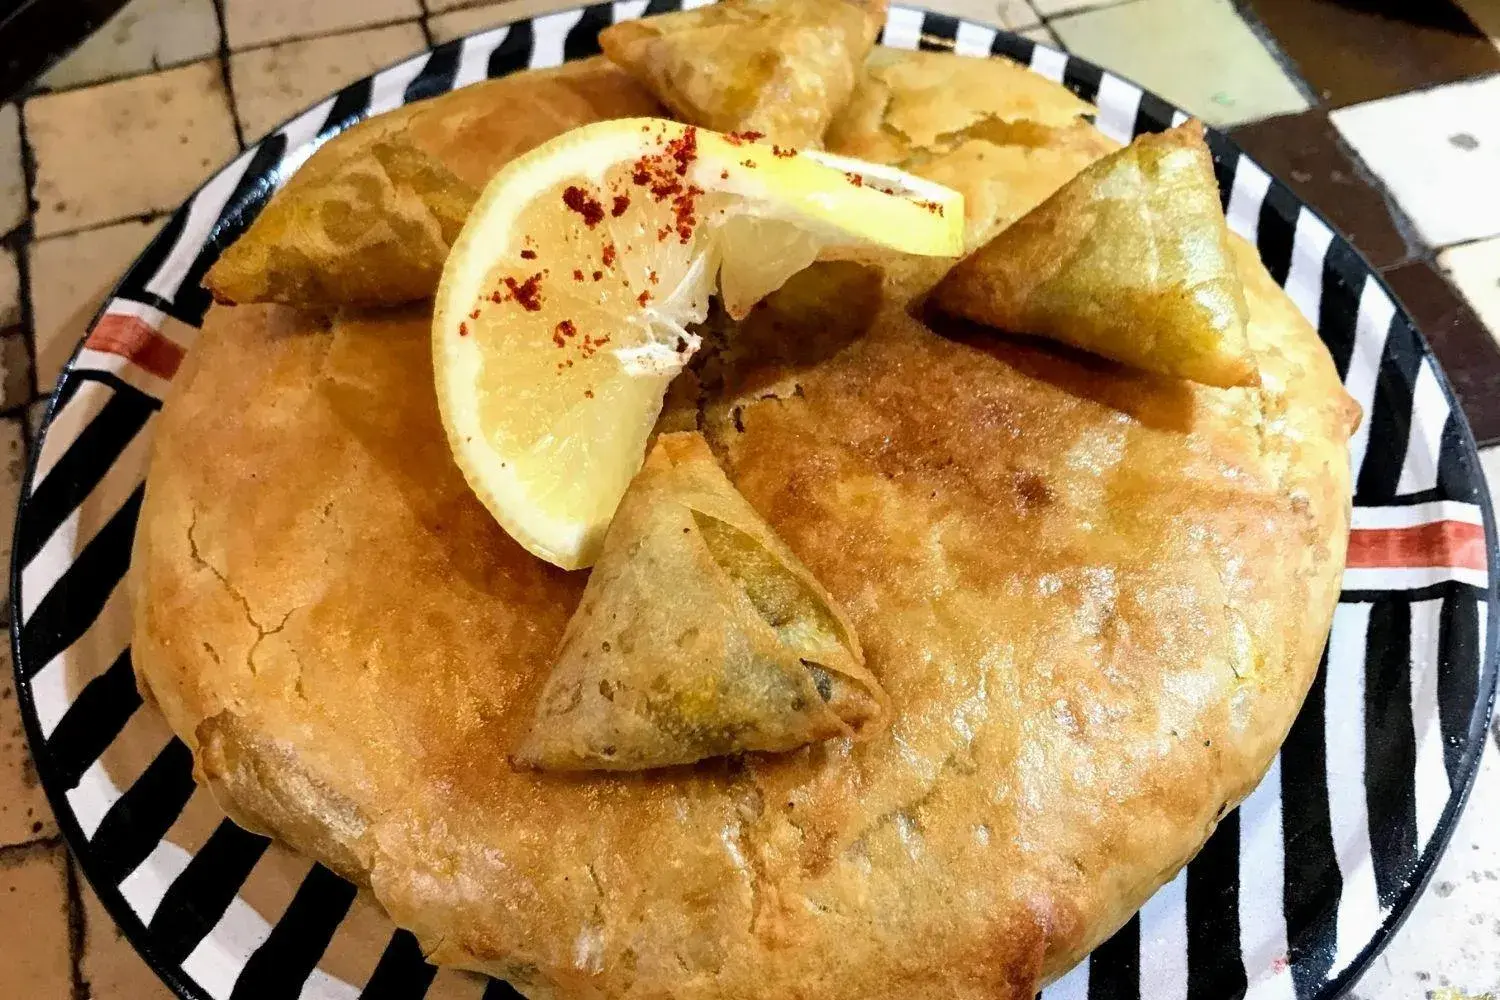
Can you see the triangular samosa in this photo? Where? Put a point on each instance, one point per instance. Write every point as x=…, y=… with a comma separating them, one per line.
x=368, y=219
x=1130, y=260
x=699, y=634
x=782, y=68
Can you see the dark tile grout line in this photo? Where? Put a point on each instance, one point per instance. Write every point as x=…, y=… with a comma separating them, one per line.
x=31, y=847
x=76, y=929
x=25, y=238
x=223, y=56
x=150, y=215
x=1272, y=46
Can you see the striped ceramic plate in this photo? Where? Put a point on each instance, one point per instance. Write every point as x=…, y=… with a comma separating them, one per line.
x=1292, y=897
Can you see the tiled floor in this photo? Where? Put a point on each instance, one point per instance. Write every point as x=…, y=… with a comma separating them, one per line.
x=1381, y=113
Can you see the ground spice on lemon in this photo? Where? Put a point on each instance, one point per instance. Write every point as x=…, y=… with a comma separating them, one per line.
x=585, y=204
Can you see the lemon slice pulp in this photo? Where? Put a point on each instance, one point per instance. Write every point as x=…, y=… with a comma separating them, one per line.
x=566, y=303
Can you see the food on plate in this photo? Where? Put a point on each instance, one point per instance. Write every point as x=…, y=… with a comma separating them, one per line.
x=699, y=635
x=1003, y=136
x=369, y=218
x=565, y=308
x=1130, y=260
x=1088, y=602
x=779, y=67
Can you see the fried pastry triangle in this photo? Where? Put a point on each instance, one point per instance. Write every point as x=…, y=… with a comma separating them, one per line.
x=368, y=219
x=783, y=68
x=699, y=634
x=1129, y=260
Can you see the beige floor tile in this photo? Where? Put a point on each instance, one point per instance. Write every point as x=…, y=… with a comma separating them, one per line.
x=70, y=275
x=12, y=468
x=10, y=290
x=274, y=83
x=34, y=908
x=145, y=35
x=257, y=22
x=110, y=966
x=1042, y=33
x=1054, y=7
x=35, y=414
x=515, y=9
x=1197, y=54
x=1475, y=269
x=1012, y=14
x=129, y=147
x=15, y=369
x=467, y=20
x=12, y=175
x=24, y=814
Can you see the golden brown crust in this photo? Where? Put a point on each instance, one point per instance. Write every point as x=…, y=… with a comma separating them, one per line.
x=1095, y=596
x=1129, y=260
x=783, y=68
x=368, y=219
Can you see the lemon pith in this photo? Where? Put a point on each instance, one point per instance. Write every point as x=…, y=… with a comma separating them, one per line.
x=565, y=306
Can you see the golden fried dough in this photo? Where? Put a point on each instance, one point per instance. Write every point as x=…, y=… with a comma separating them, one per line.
x=699, y=634
x=783, y=68
x=368, y=219
x=1129, y=260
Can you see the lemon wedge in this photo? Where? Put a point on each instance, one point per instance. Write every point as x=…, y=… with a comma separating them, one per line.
x=566, y=303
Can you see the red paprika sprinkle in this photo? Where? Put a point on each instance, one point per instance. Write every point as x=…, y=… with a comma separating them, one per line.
x=783, y=151
x=735, y=138
x=855, y=179
x=584, y=204
x=528, y=255
x=622, y=202
x=651, y=277
x=564, y=329
x=463, y=329
x=748, y=163
x=527, y=293
x=609, y=255
x=723, y=175
x=643, y=298
x=588, y=394
x=577, y=274
x=474, y=314
x=598, y=275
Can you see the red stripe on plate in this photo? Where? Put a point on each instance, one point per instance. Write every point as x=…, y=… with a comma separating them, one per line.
x=137, y=341
x=1439, y=543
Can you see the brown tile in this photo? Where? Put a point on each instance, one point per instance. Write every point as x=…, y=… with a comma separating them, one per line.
x=15, y=371
x=1469, y=354
x=13, y=205
x=145, y=35
x=110, y=967
x=1359, y=50
x=34, y=963
x=70, y=276
x=1305, y=152
x=12, y=468
x=127, y=148
x=257, y=22
x=24, y=813
x=10, y=290
x=274, y=83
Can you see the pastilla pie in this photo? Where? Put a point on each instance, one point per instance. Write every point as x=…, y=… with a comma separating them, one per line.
x=1014, y=613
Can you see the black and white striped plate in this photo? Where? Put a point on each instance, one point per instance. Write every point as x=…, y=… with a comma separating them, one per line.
x=1291, y=899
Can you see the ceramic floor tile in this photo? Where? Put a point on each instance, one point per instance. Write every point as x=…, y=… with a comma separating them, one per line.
x=24, y=814
x=1449, y=940
x=467, y=20
x=1042, y=33
x=274, y=83
x=1475, y=269
x=1305, y=152
x=145, y=35
x=15, y=369
x=1352, y=52
x=257, y=22
x=34, y=896
x=1486, y=16
x=10, y=290
x=1051, y=8
x=1196, y=53
x=1470, y=356
x=70, y=275
x=126, y=148
x=36, y=412
x=1012, y=14
x=1438, y=152
x=12, y=175
x=110, y=966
